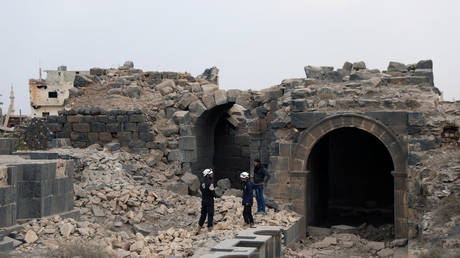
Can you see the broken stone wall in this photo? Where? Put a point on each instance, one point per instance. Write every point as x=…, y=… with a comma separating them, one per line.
x=87, y=127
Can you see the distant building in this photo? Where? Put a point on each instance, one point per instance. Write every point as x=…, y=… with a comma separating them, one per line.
x=47, y=96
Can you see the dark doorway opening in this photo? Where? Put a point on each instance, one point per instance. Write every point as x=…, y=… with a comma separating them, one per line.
x=221, y=146
x=351, y=181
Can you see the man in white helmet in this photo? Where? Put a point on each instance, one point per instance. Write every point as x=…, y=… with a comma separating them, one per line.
x=207, y=199
x=248, y=198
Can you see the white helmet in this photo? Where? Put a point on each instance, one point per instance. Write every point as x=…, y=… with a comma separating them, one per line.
x=207, y=171
x=244, y=175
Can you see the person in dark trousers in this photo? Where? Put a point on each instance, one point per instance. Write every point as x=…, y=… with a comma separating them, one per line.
x=207, y=200
x=261, y=177
x=247, y=199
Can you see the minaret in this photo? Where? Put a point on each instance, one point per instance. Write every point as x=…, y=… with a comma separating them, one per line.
x=10, y=108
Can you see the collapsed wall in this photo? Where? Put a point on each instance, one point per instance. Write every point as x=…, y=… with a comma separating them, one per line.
x=347, y=141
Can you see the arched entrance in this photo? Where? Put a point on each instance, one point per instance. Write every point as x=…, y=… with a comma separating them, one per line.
x=326, y=156
x=351, y=181
x=221, y=145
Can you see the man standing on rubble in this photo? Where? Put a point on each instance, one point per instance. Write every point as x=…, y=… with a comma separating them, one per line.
x=207, y=200
x=261, y=177
x=247, y=199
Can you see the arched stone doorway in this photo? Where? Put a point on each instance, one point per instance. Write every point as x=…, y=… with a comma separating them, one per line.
x=221, y=145
x=307, y=157
x=351, y=181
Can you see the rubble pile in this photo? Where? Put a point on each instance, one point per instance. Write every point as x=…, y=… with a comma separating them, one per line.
x=346, y=245
x=437, y=203
x=128, y=214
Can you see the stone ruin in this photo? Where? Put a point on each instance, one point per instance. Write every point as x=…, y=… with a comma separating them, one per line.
x=344, y=146
x=32, y=185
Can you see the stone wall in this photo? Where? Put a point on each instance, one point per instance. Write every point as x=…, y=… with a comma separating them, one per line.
x=34, y=187
x=87, y=127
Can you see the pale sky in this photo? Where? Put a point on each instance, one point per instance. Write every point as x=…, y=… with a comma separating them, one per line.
x=255, y=44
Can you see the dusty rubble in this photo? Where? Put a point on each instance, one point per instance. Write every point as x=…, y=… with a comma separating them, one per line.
x=126, y=216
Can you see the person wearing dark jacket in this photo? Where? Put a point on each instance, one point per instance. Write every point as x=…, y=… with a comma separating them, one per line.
x=247, y=199
x=261, y=177
x=207, y=200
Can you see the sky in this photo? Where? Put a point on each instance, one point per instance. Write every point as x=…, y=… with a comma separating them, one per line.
x=255, y=44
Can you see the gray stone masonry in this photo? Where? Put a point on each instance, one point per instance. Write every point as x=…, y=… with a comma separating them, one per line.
x=34, y=185
x=87, y=127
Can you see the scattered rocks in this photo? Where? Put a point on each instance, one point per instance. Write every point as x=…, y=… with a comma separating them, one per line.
x=30, y=237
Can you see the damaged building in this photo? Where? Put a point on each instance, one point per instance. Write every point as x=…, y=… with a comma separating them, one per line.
x=344, y=147
x=47, y=96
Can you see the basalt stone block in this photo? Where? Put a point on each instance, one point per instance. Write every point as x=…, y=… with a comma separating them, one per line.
x=97, y=127
x=124, y=137
x=187, y=143
x=74, y=118
x=105, y=137
x=6, y=146
x=146, y=136
x=197, y=108
x=136, y=144
x=161, y=145
x=424, y=64
x=75, y=136
x=413, y=159
x=111, y=119
x=220, y=97
x=396, y=120
x=81, y=127
x=174, y=155
x=7, y=195
x=100, y=118
x=7, y=215
x=185, y=130
x=87, y=119
x=306, y=119
x=80, y=144
x=62, y=186
x=143, y=127
x=113, y=146
x=136, y=118
x=130, y=127
x=37, y=172
x=122, y=118
x=188, y=156
x=34, y=189
x=113, y=127
x=142, y=151
x=232, y=95
x=29, y=208
x=415, y=122
x=55, y=127
x=298, y=105
x=93, y=137
x=169, y=111
x=182, y=117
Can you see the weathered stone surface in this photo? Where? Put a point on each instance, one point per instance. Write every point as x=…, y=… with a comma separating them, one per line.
x=197, y=108
x=181, y=117
x=179, y=188
x=209, y=88
x=359, y=65
x=396, y=67
x=220, y=97
x=192, y=182
x=133, y=91
x=30, y=237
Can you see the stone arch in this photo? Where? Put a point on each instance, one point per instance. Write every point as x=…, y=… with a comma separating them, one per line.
x=395, y=146
x=220, y=145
